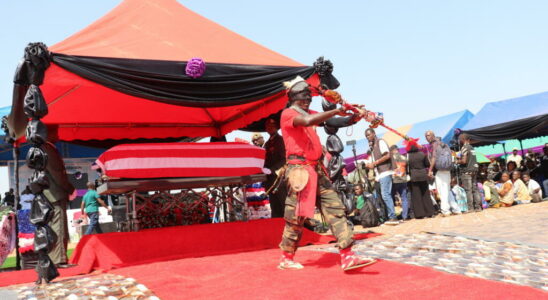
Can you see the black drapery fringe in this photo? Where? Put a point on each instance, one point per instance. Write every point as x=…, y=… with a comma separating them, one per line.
x=166, y=81
x=518, y=129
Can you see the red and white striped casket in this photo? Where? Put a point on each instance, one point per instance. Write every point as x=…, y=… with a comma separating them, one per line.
x=182, y=160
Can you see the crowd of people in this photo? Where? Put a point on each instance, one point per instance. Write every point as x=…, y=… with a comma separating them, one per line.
x=389, y=186
x=419, y=181
x=435, y=180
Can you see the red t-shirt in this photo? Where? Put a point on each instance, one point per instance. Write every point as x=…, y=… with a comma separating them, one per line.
x=300, y=140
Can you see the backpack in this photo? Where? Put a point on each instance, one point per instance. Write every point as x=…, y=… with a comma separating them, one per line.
x=369, y=216
x=444, y=160
x=348, y=201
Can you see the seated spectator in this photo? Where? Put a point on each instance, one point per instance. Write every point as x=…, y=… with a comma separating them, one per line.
x=490, y=192
x=358, y=196
x=533, y=170
x=365, y=212
x=398, y=208
x=530, y=155
x=493, y=170
x=257, y=139
x=506, y=191
x=460, y=195
x=521, y=191
x=534, y=188
x=511, y=166
x=481, y=180
x=515, y=157
x=543, y=180
x=359, y=200
x=502, y=164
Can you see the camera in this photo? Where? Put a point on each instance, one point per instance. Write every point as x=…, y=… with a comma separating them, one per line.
x=351, y=142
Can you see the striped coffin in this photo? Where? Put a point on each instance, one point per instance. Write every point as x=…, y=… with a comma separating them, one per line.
x=182, y=160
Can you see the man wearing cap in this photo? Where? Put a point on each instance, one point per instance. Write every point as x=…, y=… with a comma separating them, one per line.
x=257, y=139
x=309, y=185
x=515, y=157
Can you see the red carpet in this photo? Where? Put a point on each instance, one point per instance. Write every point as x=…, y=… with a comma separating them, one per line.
x=253, y=275
x=107, y=251
x=112, y=250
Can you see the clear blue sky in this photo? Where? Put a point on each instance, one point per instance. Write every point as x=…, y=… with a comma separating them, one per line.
x=412, y=60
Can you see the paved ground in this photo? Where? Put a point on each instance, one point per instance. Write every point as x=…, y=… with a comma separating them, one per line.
x=522, y=224
x=102, y=286
x=506, y=244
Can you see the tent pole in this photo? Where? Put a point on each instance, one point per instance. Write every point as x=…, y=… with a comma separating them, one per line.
x=16, y=204
x=521, y=146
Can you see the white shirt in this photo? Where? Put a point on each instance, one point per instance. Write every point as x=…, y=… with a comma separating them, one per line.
x=532, y=186
x=26, y=201
x=383, y=147
x=515, y=158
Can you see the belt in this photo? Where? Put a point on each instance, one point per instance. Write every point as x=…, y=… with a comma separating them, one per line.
x=294, y=156
x=294, y=159
x=300, y=160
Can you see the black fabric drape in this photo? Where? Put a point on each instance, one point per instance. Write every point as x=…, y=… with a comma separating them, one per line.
x=259, y=126
x=518, y=129
x=166, y=81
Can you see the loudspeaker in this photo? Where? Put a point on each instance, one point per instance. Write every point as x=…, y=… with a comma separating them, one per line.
x=119, y=213
x=106, y=227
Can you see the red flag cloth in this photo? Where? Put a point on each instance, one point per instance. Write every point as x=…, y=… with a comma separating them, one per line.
x=182, y=160
x=306, y=199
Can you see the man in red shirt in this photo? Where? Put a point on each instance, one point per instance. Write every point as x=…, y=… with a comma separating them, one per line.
x=304, y=151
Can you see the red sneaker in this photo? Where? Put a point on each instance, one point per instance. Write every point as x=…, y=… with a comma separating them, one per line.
x=352, y=261
x=287, y=262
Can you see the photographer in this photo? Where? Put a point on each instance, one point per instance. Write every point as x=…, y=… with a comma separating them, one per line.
x=381, y=162
x=468, y=167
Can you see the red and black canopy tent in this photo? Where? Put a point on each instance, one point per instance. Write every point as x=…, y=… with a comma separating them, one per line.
x=123, y=78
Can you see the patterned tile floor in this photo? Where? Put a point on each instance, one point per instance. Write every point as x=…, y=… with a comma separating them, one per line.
x=103, y=286
x=503, y=261
x=507, y=244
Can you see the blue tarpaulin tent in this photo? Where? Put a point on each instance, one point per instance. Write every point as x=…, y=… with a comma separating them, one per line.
x=67, y=150
x=442, y=126
x=516, y=118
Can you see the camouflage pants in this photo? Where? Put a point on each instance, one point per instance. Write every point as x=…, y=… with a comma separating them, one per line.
x=332, y=210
